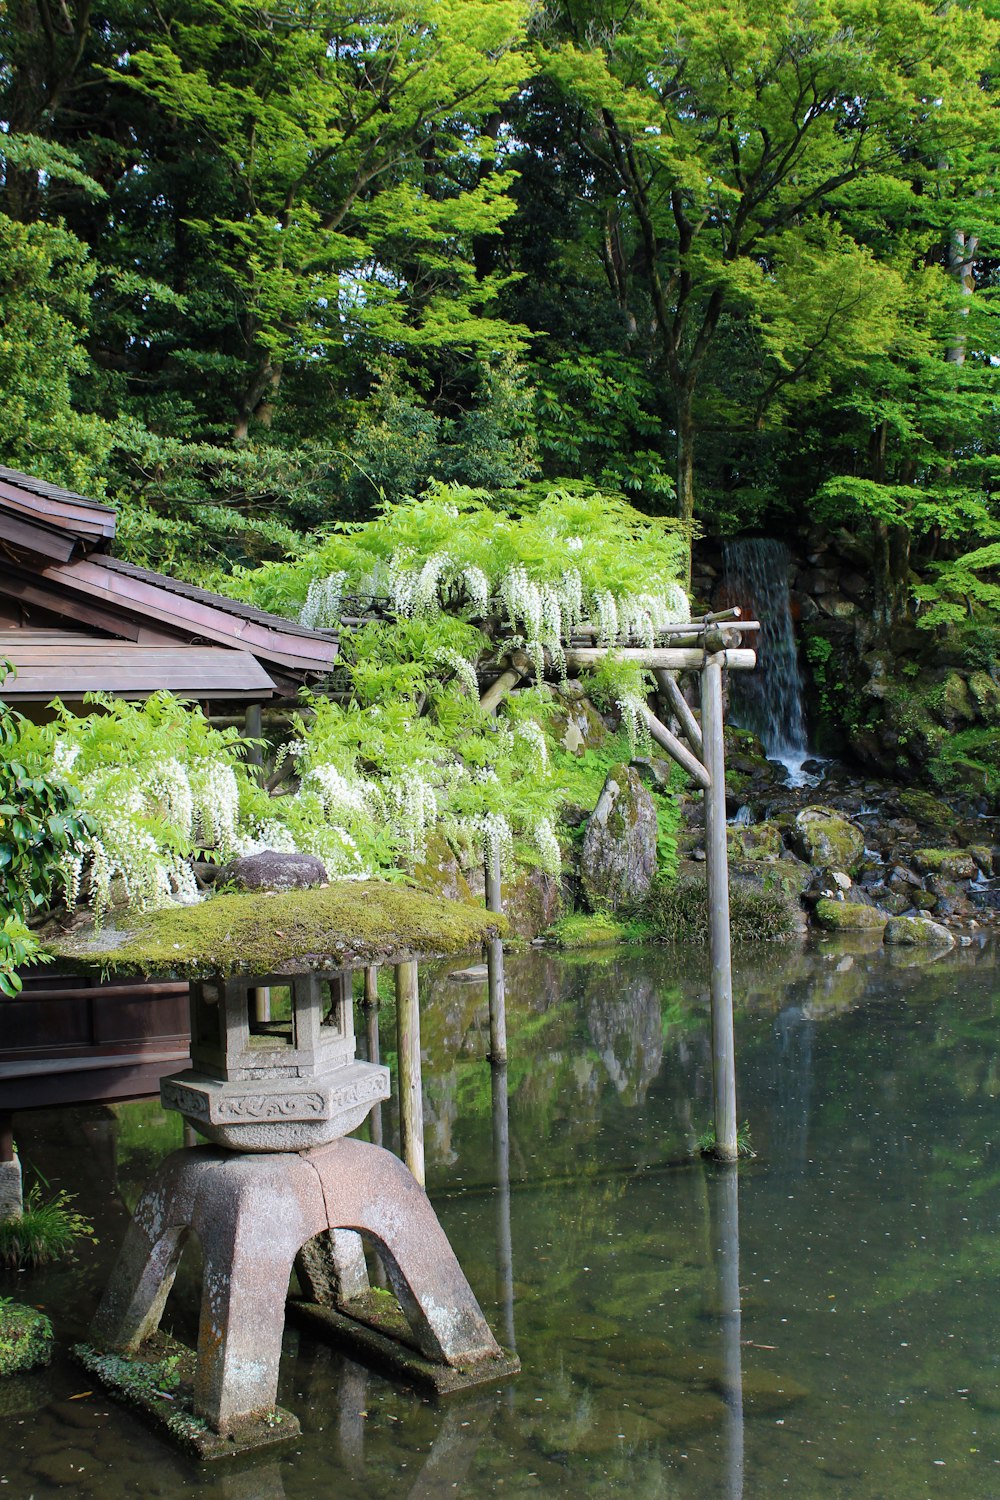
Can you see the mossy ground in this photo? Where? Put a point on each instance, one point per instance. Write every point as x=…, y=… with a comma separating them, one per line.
x=25, y=1338
x=158, y=1382
x=347, y=923
x=586, y=930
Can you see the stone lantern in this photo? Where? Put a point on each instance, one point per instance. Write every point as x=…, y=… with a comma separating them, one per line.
x=281, y=1076
x=275, y=1088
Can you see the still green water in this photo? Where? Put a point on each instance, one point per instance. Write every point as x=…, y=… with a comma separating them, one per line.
x=826, y=1325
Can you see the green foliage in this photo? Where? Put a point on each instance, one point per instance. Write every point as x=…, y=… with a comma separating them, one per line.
x=45, y=278
x=18, y=948
x=584, y=930
x=42, y=827
x=47, y=1231
x=961, y=587
x=553, y=561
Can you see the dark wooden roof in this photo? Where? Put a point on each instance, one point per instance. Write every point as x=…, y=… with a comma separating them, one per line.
x=60, y=508
x=54, y=566
x=62, y=664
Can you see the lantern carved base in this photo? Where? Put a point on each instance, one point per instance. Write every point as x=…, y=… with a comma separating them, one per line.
x=276, y=1113
x=252, y=1214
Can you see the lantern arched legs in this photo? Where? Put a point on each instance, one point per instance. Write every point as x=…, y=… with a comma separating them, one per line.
x=252, y=1214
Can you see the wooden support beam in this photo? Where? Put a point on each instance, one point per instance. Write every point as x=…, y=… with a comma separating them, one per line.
x=678, y=752
x=494, y=966
x=717, y=872
x=371, y=1009
x=411, y=1103
x=518, y=668
x=669, y=658
x=671, y=691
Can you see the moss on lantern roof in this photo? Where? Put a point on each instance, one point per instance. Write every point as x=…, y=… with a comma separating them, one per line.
x=335, y=926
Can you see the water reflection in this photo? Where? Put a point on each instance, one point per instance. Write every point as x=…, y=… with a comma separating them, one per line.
x=726, y=1216
x=860, y=1351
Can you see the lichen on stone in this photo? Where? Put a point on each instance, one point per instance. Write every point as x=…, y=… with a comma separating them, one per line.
x=340, y=925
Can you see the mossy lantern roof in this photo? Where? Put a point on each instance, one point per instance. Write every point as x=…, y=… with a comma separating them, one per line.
x=343, y=925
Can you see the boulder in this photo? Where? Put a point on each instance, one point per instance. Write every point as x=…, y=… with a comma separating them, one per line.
x=576, y=723
x=618, y=861
x=951, y=864
x=271, y=870
x=440, y=873
x=753, y=841
x=847, y=916
x=822, y=836
x=917, y=932
x=25, y=1338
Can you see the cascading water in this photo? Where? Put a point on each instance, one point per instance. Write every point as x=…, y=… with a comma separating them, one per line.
x=769, y=700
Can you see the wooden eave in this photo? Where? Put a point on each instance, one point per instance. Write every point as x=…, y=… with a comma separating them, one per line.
x=60, y=664
x=192, y=613
x=48, y=542
x=61, y=509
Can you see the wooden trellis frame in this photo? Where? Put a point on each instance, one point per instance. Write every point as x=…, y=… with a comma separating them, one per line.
x=706, y=647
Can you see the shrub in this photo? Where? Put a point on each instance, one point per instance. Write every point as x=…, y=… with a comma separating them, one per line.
x=679, y=913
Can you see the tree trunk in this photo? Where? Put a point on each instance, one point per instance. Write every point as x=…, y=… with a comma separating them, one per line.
x=962, y=249
x=685, y=470
x=258, y=398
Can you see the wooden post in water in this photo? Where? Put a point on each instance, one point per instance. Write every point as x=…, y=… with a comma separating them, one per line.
x=370, y=1005
x=720, y=954
x=411, y=1104
x=494, y=965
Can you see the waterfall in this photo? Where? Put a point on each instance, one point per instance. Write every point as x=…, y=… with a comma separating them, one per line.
x=769, y=700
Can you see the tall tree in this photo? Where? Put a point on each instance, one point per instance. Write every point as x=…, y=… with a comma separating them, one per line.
x=722, y=142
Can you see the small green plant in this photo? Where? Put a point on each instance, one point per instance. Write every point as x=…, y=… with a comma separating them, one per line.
x=706, y=1144
x=46, y=1231
x=18, y=948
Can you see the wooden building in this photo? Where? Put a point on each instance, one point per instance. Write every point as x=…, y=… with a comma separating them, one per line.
x=73, y=620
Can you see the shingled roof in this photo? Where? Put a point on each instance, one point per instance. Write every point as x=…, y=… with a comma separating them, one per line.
x=55, y=571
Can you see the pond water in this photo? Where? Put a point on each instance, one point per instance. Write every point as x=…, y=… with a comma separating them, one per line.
x=823, y=1325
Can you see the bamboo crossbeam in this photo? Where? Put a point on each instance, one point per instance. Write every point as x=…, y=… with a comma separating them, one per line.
x=678, y=752
x=669, y=658
x=499, y=688
x=692, y=730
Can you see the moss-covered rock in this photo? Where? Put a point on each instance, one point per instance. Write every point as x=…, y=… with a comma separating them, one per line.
x=618, y=859
x=953, y=705
x=347, y=923
x=532, y=901
x=755, y=841
x=25, y=1338
x=576, y=723
x=925, y=808
x=678, y=913
x=917, y=932
x=822, y=836
x=847, y=916
x=439, y=872
x=985, y=693
x=952, y=864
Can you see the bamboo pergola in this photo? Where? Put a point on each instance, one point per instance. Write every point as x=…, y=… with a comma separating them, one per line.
x=704, y=648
